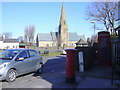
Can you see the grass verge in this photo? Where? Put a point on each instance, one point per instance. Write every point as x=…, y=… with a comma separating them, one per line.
x=51, y=54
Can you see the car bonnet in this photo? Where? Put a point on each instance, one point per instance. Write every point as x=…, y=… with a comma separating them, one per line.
x=3, y=61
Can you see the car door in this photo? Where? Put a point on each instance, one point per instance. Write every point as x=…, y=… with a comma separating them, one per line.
x=22, y=63
x=35, y=58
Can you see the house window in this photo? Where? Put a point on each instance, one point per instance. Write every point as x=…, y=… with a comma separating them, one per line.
x=7, y=47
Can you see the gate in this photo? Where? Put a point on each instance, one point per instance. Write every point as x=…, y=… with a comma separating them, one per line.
x=115, y=42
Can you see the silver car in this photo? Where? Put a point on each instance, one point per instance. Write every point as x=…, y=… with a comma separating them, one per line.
x=15, y=62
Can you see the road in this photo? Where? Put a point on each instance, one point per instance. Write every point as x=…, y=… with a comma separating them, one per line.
x=32, y=80
x=54, y=76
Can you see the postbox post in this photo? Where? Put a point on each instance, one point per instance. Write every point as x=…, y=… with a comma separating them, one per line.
x=70, y=65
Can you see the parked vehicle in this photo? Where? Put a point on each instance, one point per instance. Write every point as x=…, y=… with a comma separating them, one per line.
x=15, y=62
x=63, y=52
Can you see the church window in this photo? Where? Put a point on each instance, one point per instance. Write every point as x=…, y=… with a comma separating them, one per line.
x=64, y=22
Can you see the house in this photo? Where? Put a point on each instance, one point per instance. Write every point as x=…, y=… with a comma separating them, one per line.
x=8, y=43
x=1, y=42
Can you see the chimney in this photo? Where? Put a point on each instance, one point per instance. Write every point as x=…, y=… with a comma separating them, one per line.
x=3, y=37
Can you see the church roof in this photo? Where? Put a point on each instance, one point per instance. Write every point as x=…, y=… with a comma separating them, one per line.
x=75, y=37
x=47, y=36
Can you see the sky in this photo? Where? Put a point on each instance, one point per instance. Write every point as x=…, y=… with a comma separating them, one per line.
x=45, y=17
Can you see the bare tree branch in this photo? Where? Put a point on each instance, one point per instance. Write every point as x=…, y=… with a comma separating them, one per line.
x=29, y=34
x=103, y=12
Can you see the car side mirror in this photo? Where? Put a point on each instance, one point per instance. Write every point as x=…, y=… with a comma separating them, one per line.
x=19, y=59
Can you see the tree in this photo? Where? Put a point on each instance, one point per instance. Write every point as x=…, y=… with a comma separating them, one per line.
x=29, y=34
x=7, y=35
x=94, y=39
x=88, y=41
x=103, y=12
x=21, y=39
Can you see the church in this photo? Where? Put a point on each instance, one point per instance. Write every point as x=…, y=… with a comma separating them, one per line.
x=60, y=38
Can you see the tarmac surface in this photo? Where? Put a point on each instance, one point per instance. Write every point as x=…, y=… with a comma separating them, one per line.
x=96, y=77
x=53, y=77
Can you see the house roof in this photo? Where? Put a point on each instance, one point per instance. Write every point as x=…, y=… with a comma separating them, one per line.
x=54, y=36
x=11, y=41
x=1, y=39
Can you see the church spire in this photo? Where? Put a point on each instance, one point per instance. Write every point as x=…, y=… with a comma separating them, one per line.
x=63, y=16
x=63, y=29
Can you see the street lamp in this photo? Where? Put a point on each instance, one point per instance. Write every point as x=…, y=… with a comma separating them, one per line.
x=94, y=25
x=34, y=43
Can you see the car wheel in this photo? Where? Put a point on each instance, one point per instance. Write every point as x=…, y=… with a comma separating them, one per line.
x=40, y=69
x=11, y=75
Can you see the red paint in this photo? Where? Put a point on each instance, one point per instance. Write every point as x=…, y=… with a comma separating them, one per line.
x=104, y=48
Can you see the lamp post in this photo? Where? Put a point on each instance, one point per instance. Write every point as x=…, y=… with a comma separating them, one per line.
x=94, y=25
x=34, y=43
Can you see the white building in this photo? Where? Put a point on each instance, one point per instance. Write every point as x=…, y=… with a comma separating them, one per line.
x=1, y=42
x=9, y=43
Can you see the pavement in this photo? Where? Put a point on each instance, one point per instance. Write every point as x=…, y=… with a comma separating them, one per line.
x=96, y=77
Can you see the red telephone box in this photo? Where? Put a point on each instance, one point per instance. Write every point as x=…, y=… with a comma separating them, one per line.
x=104, y=48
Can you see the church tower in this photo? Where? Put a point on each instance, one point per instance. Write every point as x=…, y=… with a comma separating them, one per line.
x=63, y=29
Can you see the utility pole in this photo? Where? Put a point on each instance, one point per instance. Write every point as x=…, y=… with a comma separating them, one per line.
x=94, y=25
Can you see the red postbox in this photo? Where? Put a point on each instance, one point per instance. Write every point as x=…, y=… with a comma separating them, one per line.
x=70, y=65
x=104, y=48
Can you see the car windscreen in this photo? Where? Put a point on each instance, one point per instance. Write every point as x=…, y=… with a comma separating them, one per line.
x=8, y=54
